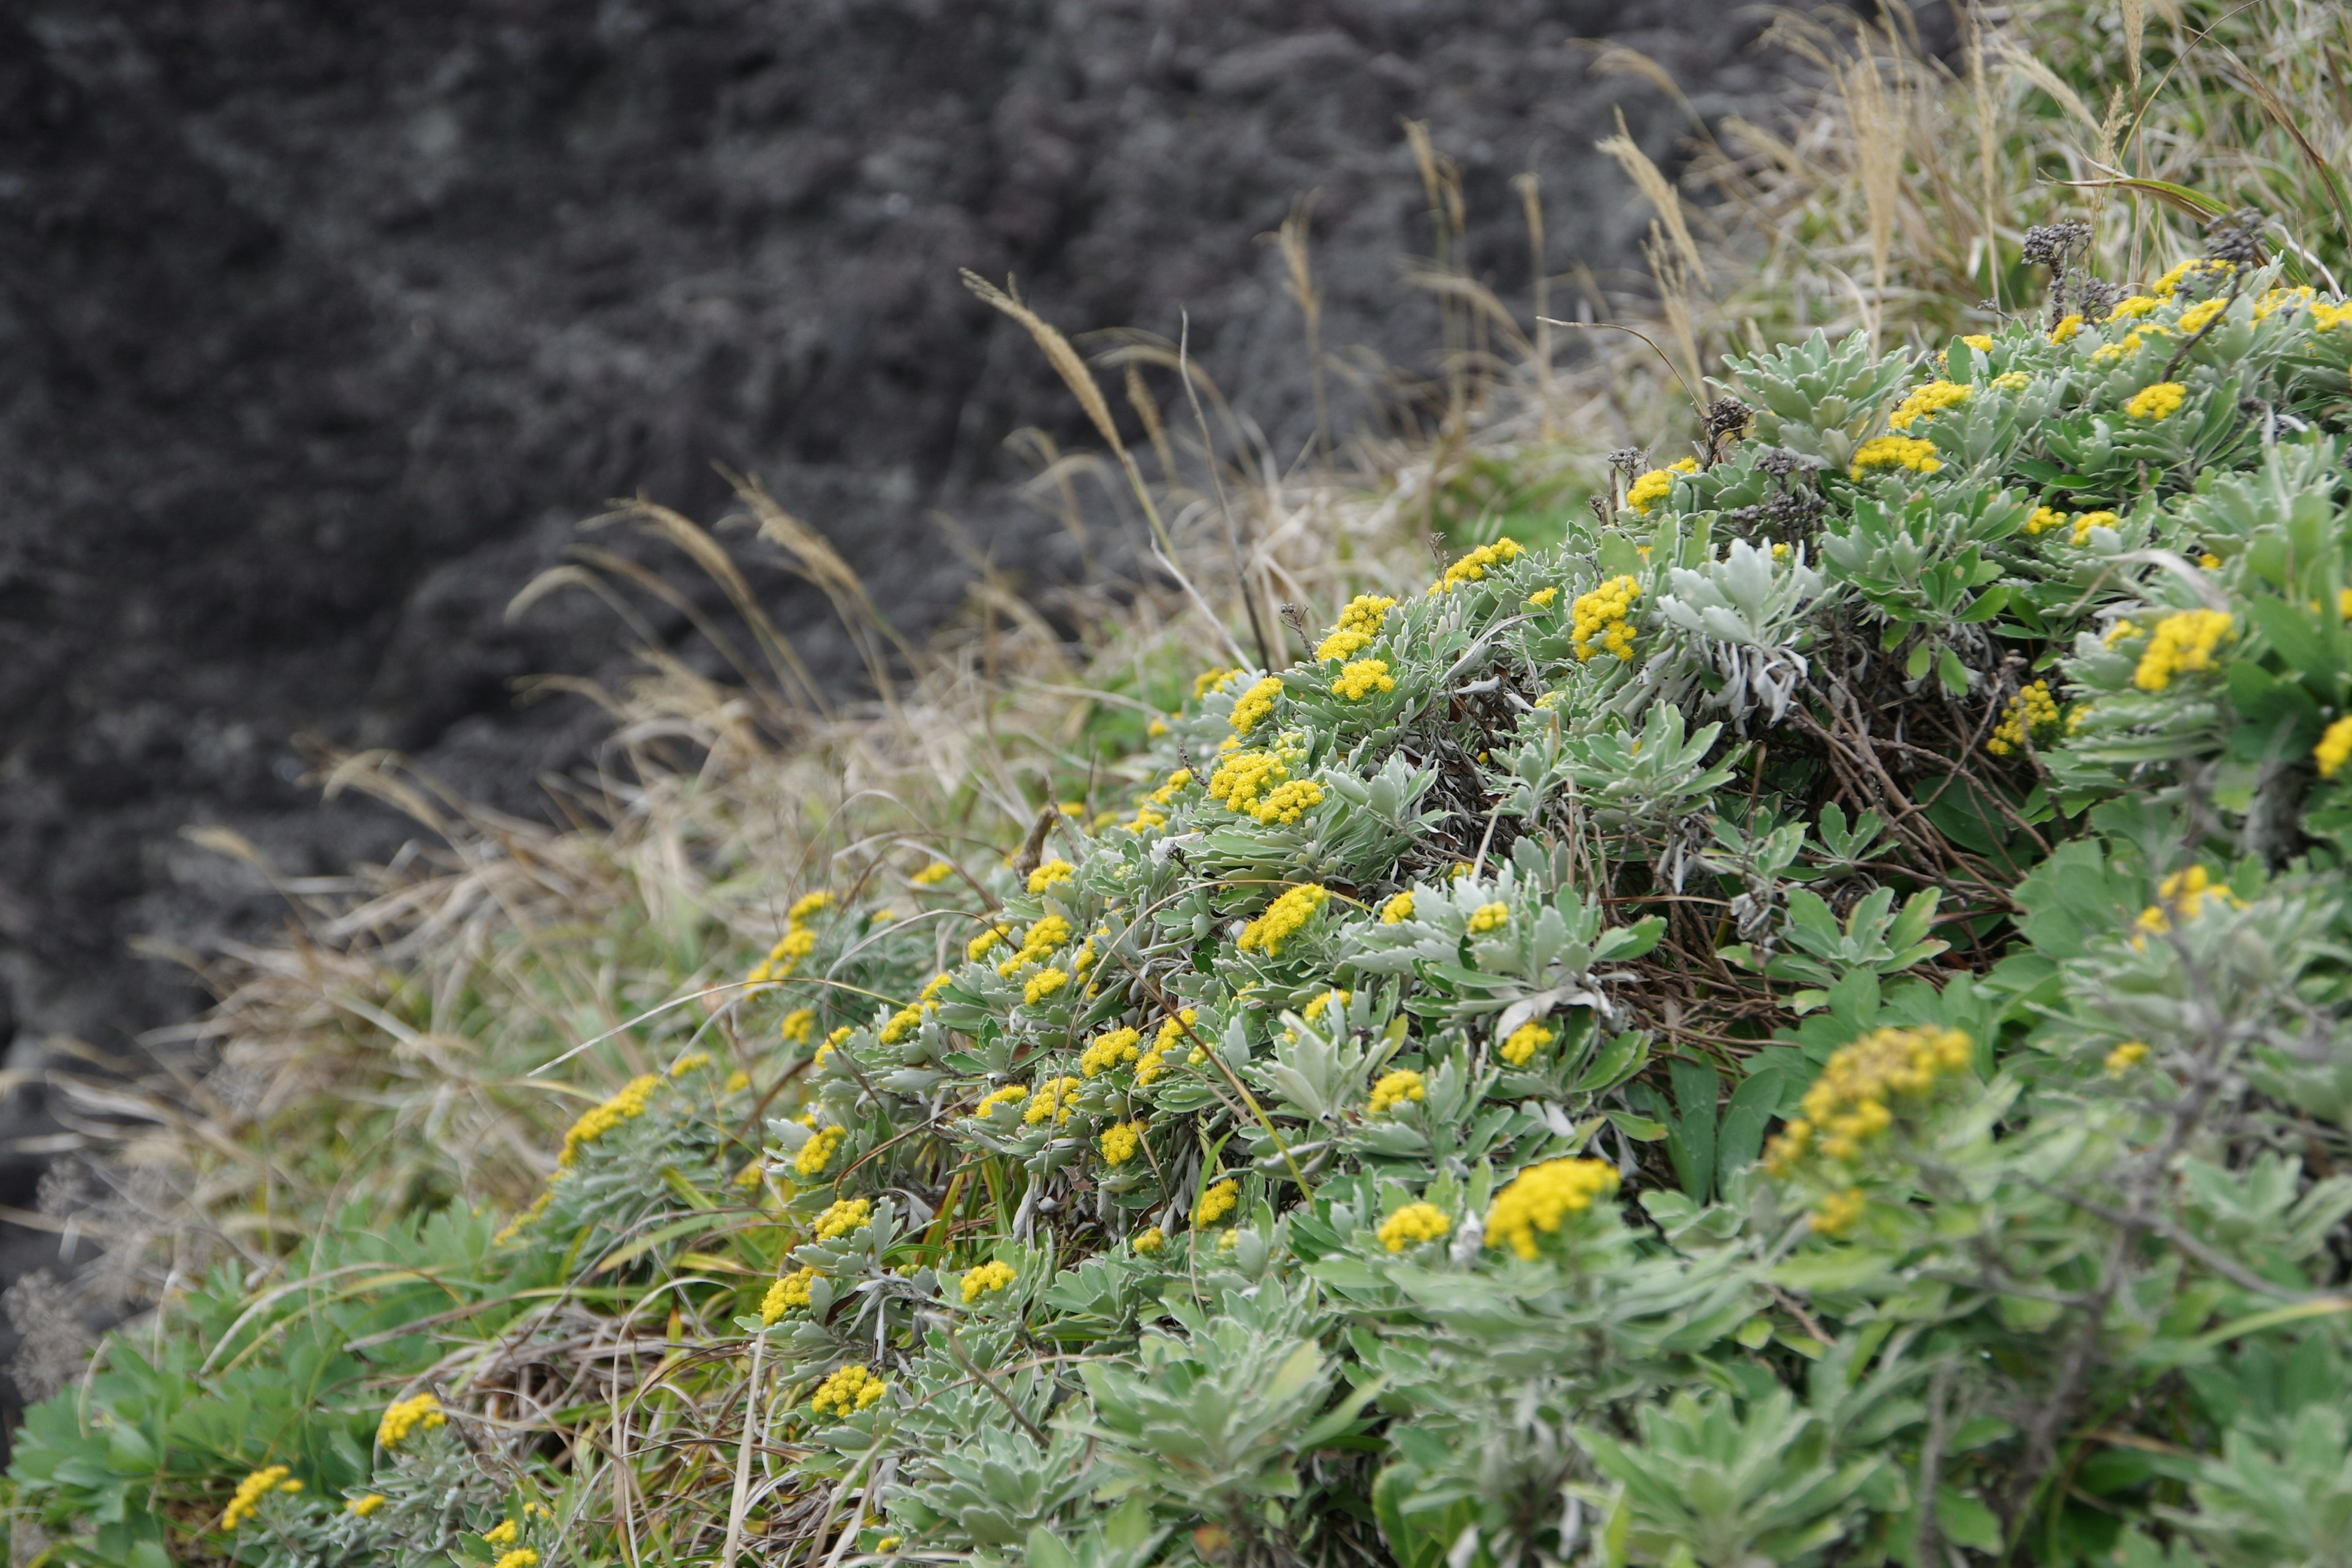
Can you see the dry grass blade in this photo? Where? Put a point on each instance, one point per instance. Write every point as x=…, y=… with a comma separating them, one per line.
x=1655, y=188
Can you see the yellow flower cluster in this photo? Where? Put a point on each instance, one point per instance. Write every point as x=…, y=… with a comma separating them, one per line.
x=799, y=1026
x=933, y=875
x=1840, y=1212
x=1542, y=598
x=2334, y=748
x=844, y=1216
x=2125, y=1057
x=626, y=1105
x=987, y=1279
x=1172, y=1034
x=252, y=1489
x=1489, y=917
x=1542, y=1197
x=2134, y=308
x=2090, y=520
x=1210, y=680
x=1010, y=1094
x=2031, y=710
x=1057, y=1097
x=1321, y=1004
x=1051, y=874
x=520, y=1557
x=1360, y=678
x=847, y=1391
x=1602, y=617
x=1911, y=452
x=818, y=1151
x=1658, y=485
x=2181, y=644
x=1927, y=402
x=1109, y=1051
x=2161, y=401
x=792, y=1290
x=1256, y=704
x=2064, y=330
x=1121, y=1141
x=1397, y=910
x=1151, y=1239
x=1847, y=1105
x=1396, y=1088
x=2012, y=381
x=366, y=1507
x=1243, y=777
x=1152, y=811
x=505, y=1533
x=2194, y=267
x=1284, y=919
x=1044, y=985
x=1360, y=623
x=1980, y=342
x=1048, y=936
x=2043, y=520
x=2181, y=895
x=1288, y=803
x=1414, y=1224
x=1473, y=566
x=2196, y=317
x=1220, y=1200
x=1526, y=1041
x=419, y=1413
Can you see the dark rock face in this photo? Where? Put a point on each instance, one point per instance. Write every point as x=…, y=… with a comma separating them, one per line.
x=322, y=324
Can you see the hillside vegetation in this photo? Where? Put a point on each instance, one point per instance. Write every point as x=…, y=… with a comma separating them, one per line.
x=1796, y=1013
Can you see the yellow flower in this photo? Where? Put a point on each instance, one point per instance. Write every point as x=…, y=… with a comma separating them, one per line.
x=1473, y=566
x=1217, y=1202
x=252, y=1489
x=2012, y=381
x=1602, y=617
x=2334, y=748
x=799, y=1026
x=1256, y=704
x=2066, y=328
x=626, y=1105
x=693, y=1061
x=1397, y=910
x=2163, y=286
x=1053, y=873
x=1284, y=919
x=2196, y=317
x=1489, y=917
x=1150, y=1241
x=1243, y=776
x=844, y=1217
x=1171, y=1032
x=1121, y=1141
x=987, y=1279
x=1927, y=402
x=1847, y=1105
x=1396, y=1088
x=1910, y=452
x=2043, y=520
x=2125, y=1057
x=901, y=1024
x=1980, y=342
x=807, y=908
x=2090, y=520
x=933, y=875
x=1541, y=1197
x=2129, y=309
x=1108, y=1051
x=890, y=1544
x=520, y=1557
x=1319, y=1005
x=1362, y=678
x=1358, y=625
x=504, y=1534
x=1840, y=1211
x=1057, y=1097
x=1658, y=485
x=2161, y=401
x=1525, y=1042
x=2183, y=893
x=2031, y=710
x=1287, y=803
x=792, y=1290
x=978, y=946
x=1048, y=936
x=2210, y=561
x=420, y=1412
x=1043, y=985
x=1542, y=598
x=1010, y=1094
x=366, y=1507
x=2183, y=643
x=1413, y=1224
x=847, y=1391
x=818, y=1151
x=1210, y=680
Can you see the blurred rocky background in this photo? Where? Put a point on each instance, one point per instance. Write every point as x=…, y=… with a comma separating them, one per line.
x=322, y=325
